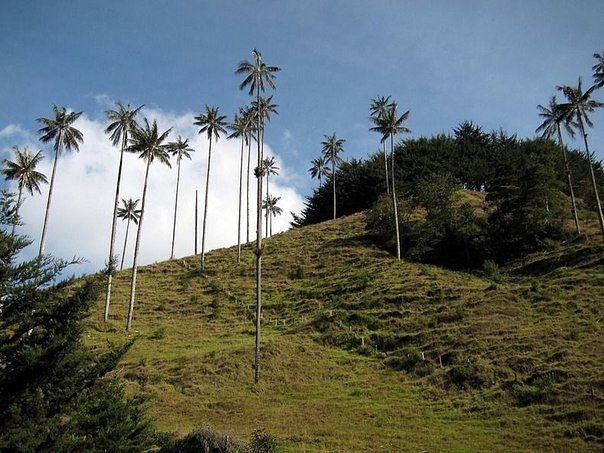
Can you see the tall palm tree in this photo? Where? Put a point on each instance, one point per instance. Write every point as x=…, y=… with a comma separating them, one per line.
x=213, y=125
x=332, y=147
x=179, y=149
x=377, y=108
x=240, y=129
x=59, y=130
x=599, y=70
x=389, y=124
x=270, y=205
x=550, y=127
x=122, y=123
x=149, y=144
x=318, y=168
x=269, y=165
x=23, y=170
x=128, y=212
x=258, y=76
x=576, y=109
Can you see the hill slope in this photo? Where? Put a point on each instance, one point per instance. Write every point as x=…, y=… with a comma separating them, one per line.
x=363, y=352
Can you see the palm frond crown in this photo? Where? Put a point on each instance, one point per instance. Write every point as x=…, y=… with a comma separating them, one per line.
x=149, y=144
x=211, y=122
x=60, y=129
x=23, y=170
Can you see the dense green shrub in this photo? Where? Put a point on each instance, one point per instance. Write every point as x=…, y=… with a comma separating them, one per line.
x=475, y=159
x=432, y=228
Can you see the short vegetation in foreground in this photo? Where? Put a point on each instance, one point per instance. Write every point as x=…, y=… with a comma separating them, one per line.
x=364, y=352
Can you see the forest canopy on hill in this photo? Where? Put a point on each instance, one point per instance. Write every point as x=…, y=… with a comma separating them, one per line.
x=522, y=182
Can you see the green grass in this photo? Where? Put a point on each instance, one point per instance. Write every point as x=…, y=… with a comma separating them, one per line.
x=361, y=352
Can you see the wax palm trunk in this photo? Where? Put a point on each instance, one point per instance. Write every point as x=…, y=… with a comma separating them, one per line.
x=386, y=168
x=266, y=214
x=113, y=228
x=239, y=210
x=50, y=188
x=333, y=177
x=125, y=243
x=258, y=241
x=247, y=197
x=136, y=248
x=570, y=182
x=205, y=210
x=175, y=209
x=17, y=210
x=593, y=177
x=394, y=203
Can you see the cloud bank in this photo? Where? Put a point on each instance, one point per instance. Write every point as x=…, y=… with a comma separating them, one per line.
x=82, y=204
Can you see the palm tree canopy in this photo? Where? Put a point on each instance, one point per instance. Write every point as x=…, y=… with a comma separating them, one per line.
x=267, y=107
x=180, y=148
x=148, y=142
x=258, y=74
x=60, y=129
x=379, y=106
x=270, y=166
x=241, y=126
x=553, y=117
x=389, y=123
x=318, y=167
x=211, y=122
x=129, y=211
x=599, y=70
x=270, y=203
x=23, y=170
x=122, y=122
x=579, y=103
x=332, y=147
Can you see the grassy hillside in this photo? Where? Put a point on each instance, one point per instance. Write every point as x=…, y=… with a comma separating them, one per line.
x=363, y=352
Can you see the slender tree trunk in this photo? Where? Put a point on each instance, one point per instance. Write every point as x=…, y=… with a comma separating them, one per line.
x=258, y=243
x=239, y=209
x=52, y=185
x=113, y=228
x=333, y=177
x=593, y=176
x=266, y=211
x=196, y=215
x=386, y=168
x=205, y=210
x=17, y=210
x=125, y=244
x=570, y=183
x=247, y=197
x=175, y=209
x=394, y=201
x=271, y=225
x=136, y=248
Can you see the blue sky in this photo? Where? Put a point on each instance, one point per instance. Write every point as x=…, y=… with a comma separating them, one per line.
x=487, y=61
x=490, y=62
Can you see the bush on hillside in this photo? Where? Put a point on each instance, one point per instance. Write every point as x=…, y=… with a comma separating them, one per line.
x=432, y=228
x=477, y=160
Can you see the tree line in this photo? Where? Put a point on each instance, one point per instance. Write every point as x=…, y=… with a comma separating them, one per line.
x=494, y=163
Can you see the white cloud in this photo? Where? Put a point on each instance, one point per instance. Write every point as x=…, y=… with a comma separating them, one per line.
x=82, y=204
x=13, y=130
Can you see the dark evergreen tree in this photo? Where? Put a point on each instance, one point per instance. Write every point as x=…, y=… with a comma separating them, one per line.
x=54, y=391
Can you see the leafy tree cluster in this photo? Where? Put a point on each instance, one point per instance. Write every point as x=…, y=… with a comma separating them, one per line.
x=55, y=393
x=518, y=217
x=475, y=159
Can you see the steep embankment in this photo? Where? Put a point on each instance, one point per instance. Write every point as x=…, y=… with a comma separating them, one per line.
x=361, y=352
